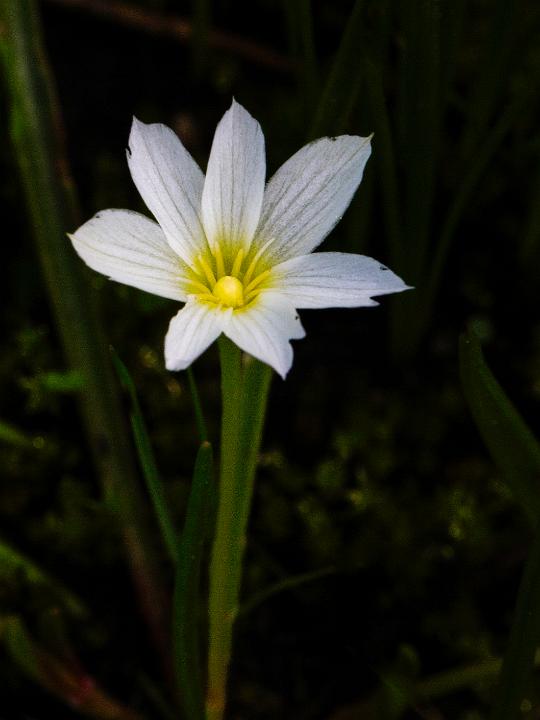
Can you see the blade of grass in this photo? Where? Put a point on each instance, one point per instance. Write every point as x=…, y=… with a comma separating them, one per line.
x=286, y=584
x=300, y=21
x=36, y=132
x=529, y=251
x=493, y=71
x=14, y=562
x=199, y=415
x=518, y=661
x=385, y=159
x=420, y=112
x=11, y=435
x=74, y=687
x=511, y=444
x=256, y=385
x=343, y=83
x=186, y=629
x=516, y=452
x=147, y=460
x=471, y=179
x=419, y=116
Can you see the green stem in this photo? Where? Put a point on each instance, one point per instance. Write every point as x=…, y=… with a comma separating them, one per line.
x=244, y=396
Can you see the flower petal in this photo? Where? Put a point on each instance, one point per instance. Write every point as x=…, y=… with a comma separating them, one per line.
x=193, y=329
x=131, y=249
x=234, y=185
x=170, y=183
x=264, y=329
x=308, y=195
x=334, y=279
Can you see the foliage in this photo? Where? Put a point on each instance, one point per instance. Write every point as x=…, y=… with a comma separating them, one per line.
x=386, y=544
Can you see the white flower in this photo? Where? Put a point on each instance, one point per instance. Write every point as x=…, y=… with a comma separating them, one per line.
x=236, y=252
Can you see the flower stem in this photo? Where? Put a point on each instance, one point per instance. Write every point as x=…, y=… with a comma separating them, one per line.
x=244, y=396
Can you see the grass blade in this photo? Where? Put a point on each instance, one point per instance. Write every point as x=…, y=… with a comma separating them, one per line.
x=288, y=583
x=35, y=127
x=494, y=69
x=385, y=159
x=511, y=444
x=186, y=627
x=465, y=193
x=69, y=682
x=147, y=460
x=11, y=435
x=344, y=80
x=517, y=455
x=519, y=659
x=199, y=416
x=13, y=562
x=300, y=21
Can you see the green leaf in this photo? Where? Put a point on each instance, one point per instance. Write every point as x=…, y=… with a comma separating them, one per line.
x=186, y=628
x=343, y=83
x=524, y=637
x=199, y=415
x=288, y=583
x=11, y=435
x=147, y=460
x=68, y=381
x=69, y=682
x=35, y=125
x=511, y=444
x=20, y=646
x=300, y=20
x=13, y=562
x=516, y=452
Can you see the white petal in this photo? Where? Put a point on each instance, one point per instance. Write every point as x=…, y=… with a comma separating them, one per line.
x=234, y=185
x=264, y=330
x=191, y=331
x=308, y=195
x=170, y=183
x=334, y=279
x=131, y=249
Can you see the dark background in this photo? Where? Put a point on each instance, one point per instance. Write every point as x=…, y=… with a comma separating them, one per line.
x=372, y=469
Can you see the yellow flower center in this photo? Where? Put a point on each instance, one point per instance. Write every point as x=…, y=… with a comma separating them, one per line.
x=231, y=282
x=230, y=291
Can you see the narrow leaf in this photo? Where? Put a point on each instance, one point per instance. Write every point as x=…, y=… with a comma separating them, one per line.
x=186, y=628
x=13, y=562
x=518, y=661
x=36, y=132
x=11, y=435
x=511, y=444
x=199, y=415
x=300, y=20
x=286, y=584
x=344, y=80
x=69, y=682
x=147, y=460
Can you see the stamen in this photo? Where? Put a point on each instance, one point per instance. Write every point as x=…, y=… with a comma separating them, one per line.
x=219, y=261
x=208, y=296
x=199, y=285
x=207, y=271
x=253, y=263
x=257, y=281
x=238, y=262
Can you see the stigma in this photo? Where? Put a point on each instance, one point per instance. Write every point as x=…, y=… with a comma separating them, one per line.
x=229, y=291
